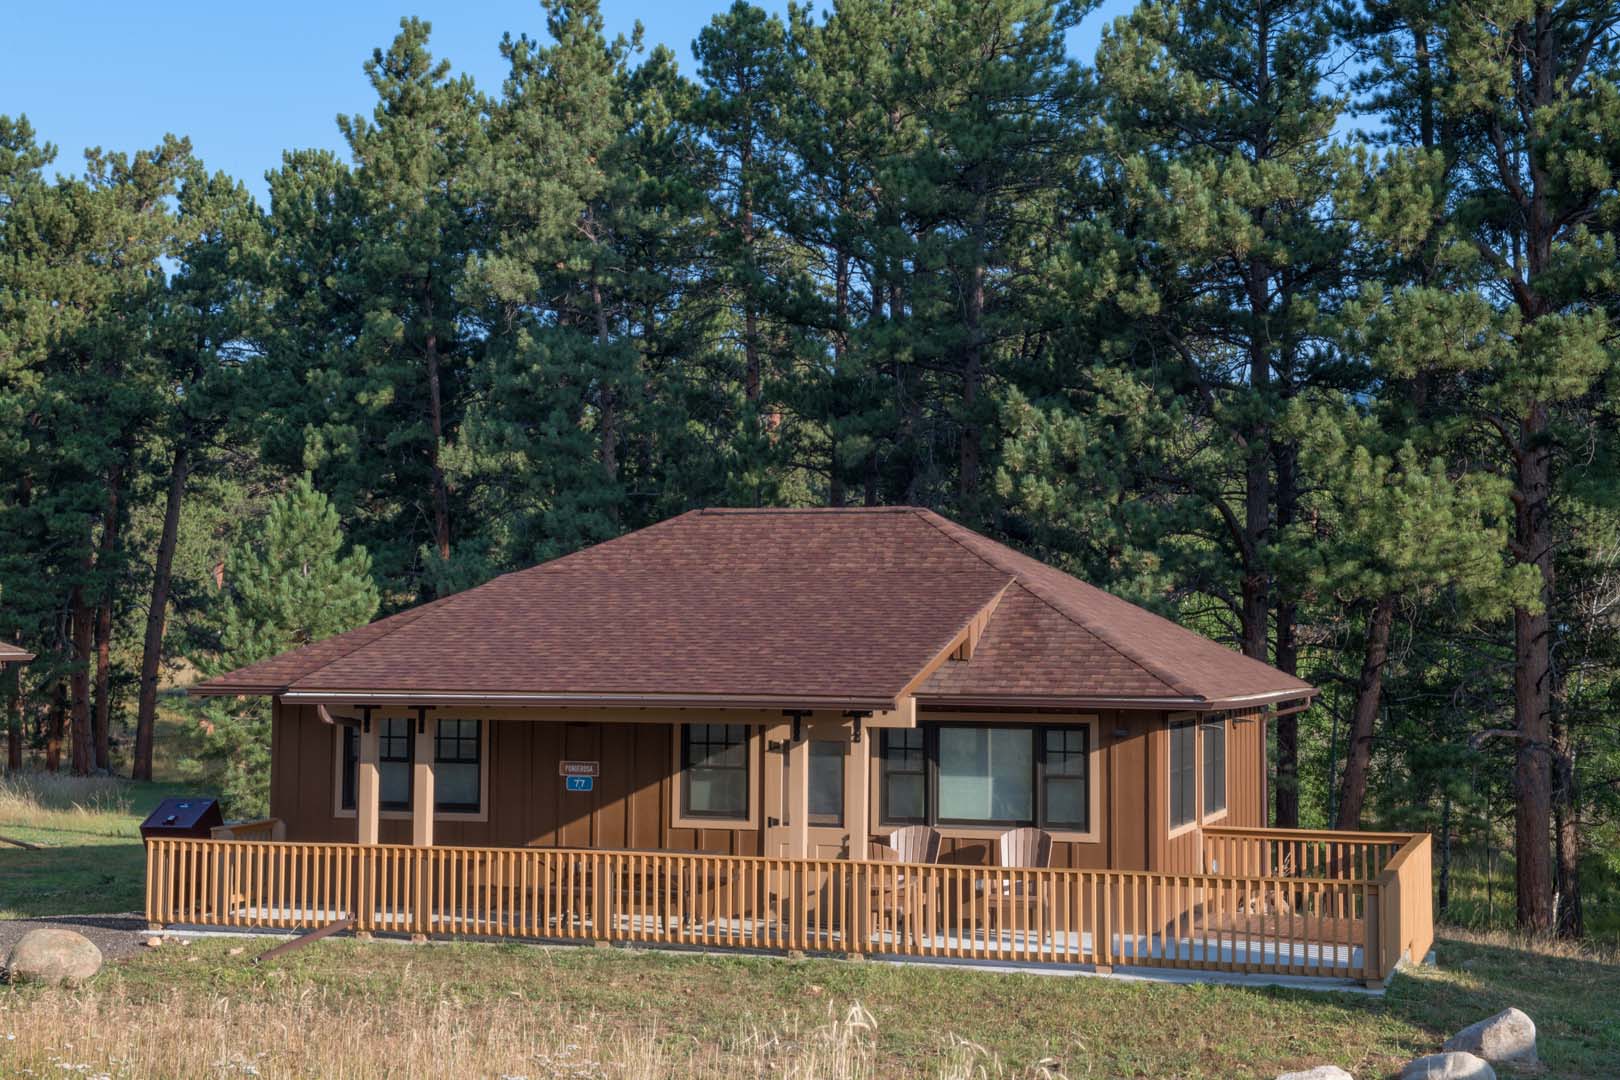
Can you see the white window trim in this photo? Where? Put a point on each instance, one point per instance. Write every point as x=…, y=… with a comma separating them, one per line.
x=482, y=814
x=756, y=773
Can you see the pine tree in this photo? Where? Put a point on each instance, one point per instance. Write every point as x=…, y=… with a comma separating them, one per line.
x=293, y=585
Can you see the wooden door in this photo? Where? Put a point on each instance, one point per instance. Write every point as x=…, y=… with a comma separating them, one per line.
x=815, y=792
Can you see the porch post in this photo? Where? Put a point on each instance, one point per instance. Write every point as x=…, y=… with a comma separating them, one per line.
x=422, y=782
x=367, y=784
x=798, y=809
x=858, y=794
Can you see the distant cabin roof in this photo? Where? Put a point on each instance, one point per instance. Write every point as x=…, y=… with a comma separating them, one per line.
x=10, y=654
x=832, y=608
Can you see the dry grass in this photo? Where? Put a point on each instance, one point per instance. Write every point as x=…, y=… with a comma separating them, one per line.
x=101, y=805
x=304, y=1032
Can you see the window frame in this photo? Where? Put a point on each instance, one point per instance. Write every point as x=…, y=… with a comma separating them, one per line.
x=834, y=820
x=1037, y=729
x=686, y=818
x=477, y=761
x=344, y=771
x=884, y=817
x=1221, y=723
x=1173, y=725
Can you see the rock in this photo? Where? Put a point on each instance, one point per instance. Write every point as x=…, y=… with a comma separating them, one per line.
x=1510, y=1035
x=53, y=957
x=1452, y=1065
x=1321, y=1072
x=153, y=942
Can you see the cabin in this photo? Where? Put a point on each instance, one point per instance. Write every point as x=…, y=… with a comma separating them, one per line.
x=851, y=730
x=11, y=654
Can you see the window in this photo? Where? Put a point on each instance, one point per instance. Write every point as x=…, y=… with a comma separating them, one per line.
x=902, y=792
x=1214, y=766
x=393, y=764
x=1183, y=773
x=456, y=766
x=986, y=776
x=826, y=782
x=714, y=770
x=1068, y=779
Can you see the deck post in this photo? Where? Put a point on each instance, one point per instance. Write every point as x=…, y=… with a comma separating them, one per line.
x=422, y=807
x=367, y=783
x=798, y=797
x=422, y=785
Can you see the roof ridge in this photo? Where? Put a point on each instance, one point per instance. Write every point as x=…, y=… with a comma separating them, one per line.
x=938, y=521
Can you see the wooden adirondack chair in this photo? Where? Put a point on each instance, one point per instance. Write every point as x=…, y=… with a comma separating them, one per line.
x=1025, y=848
x=898, y=898
x=916, y=844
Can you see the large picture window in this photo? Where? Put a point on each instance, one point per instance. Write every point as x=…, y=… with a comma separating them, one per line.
x=1183, y=773
x=960, y=774
x=714, y=770
x=1214, y=766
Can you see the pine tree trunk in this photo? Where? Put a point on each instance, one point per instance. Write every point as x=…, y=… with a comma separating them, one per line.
x=83, y=620
x=157, y=612
x=753, y=376
x=1532, y=685
x=14, y=719
x=972, y=376
x=1571, y=917
x=55, y=721
x=105, y=561
x=441, y=492
x=608, y=427
x=1369, y=695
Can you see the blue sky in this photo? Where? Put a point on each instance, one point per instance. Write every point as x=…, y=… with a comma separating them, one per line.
x=247, y=81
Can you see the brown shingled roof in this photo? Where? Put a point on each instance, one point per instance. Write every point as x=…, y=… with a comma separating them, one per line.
x=832, y=608
x=10, y=654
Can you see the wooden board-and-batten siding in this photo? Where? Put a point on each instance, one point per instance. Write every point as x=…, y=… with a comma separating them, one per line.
x=631, y=804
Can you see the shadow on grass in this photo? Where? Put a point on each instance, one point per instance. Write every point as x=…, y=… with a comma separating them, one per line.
x=1570, y=997
x=71, y=879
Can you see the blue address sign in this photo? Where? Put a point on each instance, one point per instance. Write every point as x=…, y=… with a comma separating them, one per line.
x=580, y=783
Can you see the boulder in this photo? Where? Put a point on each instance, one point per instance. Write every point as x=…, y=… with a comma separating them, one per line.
x=53, y=957
x=1510, y=1035
x=1452, y=1065
x=1321, y=1072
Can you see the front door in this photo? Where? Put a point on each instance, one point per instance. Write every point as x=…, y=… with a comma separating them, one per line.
x=817, y=778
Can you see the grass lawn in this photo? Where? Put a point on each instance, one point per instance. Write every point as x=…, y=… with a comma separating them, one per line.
x=348, y=1009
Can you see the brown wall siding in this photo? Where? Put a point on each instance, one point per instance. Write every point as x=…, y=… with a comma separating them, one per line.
x=1245, y=771
x=631, y=804
x=527, y=804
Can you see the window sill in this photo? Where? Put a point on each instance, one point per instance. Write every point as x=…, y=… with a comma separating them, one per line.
x=1219, y=815
x=438, y=815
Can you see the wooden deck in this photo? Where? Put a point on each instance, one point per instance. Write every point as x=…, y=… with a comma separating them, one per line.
x=1358, y=926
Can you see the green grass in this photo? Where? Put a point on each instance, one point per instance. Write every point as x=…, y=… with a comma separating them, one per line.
x=751, y=1015
x=87, y=830
x=1023, y=1023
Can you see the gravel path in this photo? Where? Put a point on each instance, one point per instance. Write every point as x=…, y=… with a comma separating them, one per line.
x=116, y=936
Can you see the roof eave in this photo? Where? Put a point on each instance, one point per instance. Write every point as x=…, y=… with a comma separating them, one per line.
x=859, y=703
x=1107, y=701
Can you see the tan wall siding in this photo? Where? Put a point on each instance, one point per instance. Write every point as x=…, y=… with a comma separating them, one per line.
x=1246, y=770
x=527, y=803
x=631, y=804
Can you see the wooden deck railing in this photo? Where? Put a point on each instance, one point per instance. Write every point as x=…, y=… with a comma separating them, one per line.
x=1350, y=927
x=1294, y=853
x=259, y=829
